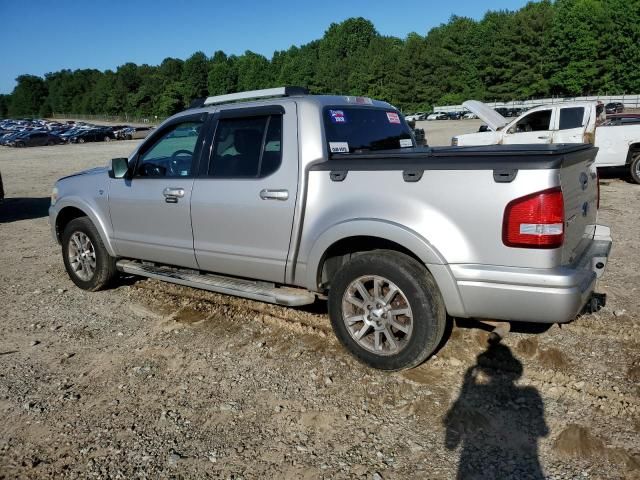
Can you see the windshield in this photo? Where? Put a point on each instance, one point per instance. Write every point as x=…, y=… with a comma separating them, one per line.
x=358, y=129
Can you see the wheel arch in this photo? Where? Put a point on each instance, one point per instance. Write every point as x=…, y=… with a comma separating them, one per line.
x=633, y=149
x=337, y=243
x=362, y=235
x=70, y=211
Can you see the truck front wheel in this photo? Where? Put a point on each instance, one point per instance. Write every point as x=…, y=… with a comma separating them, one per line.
x=635, y=167
x=85, y=257
x=387, y=310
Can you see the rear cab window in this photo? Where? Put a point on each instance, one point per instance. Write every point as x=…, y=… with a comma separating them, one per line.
x=351, y=129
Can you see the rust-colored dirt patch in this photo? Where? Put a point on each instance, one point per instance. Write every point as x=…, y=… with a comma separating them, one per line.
x=527, y=347
x=553, y=359
x=633, y=373
x=189, y=316
x=577, y=441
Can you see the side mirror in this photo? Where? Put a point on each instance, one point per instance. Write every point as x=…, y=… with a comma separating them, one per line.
x=119, y=168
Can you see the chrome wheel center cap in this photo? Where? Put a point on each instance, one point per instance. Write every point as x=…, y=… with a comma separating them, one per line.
x=376, y=319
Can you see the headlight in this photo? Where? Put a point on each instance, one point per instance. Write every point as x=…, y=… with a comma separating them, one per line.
x=54, y=196
x=454, y=141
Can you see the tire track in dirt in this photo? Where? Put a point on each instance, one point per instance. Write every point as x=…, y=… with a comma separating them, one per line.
x=222, y=306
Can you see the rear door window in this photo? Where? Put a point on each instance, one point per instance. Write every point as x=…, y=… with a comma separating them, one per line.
x=571, y=118
x=247, y=147
x=361, y=129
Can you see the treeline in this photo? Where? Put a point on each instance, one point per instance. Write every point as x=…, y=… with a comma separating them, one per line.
x=561, y=48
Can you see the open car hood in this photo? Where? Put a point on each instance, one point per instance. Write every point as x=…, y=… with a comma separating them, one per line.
x=493, y=119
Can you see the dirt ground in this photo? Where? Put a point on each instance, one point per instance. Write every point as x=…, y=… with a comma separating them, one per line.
x=151, y=380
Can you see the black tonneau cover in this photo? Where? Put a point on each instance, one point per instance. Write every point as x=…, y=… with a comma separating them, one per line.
x=525, y=157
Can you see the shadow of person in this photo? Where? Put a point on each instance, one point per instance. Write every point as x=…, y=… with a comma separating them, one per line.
x=496, y=422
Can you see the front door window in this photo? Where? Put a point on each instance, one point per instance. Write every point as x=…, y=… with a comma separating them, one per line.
x=534, y=122
x=172, y=154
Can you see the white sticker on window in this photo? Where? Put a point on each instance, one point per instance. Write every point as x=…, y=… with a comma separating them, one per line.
x=406, y=142
x=339, y=147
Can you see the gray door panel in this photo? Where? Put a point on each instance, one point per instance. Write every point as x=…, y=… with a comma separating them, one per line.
x=146, y=226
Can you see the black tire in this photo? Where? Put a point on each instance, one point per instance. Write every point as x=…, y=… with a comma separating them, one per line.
x=634, y=168
x=105, y=265
x=422, y=295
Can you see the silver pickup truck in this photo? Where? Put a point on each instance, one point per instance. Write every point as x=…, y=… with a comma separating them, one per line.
x=286, y=197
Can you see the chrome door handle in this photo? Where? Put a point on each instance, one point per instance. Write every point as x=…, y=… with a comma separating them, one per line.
x=173, y=192
x=274, y=194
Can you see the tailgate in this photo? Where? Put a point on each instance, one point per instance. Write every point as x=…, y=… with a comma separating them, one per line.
x=579, y=182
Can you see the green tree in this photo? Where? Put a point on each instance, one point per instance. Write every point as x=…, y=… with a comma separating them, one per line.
x=580, y=64
x=222, y=76
x=4, y=105
x=170, y=101
x=341, y=51
x=253, y=72
x=28, y=96
x=194, y=77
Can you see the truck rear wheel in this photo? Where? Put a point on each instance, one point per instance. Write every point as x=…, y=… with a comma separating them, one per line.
x=635, y=167
x=387, y=310
x=86, y=259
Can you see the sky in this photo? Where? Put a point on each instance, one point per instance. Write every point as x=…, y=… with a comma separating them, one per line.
x=40, y=36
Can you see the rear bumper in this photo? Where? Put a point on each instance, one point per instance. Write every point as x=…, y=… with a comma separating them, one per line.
x=553, y=295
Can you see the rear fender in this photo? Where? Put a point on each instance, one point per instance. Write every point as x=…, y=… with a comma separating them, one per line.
x=382, y=229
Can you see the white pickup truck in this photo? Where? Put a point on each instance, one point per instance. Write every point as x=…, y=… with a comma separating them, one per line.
x=569, y=122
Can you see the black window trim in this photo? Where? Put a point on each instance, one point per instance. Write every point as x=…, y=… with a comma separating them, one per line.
x=266, y=111
x=159, y=133
x=262, y=111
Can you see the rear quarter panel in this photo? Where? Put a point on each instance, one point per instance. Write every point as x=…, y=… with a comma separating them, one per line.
x=457, y=213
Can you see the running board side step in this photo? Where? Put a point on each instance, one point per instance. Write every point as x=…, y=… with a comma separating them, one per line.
x=254, y=290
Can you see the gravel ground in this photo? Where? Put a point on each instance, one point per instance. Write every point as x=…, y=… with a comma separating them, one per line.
x=151, y=380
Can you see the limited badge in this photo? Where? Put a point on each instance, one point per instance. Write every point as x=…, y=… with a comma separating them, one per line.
x=393, y=117
x=339, y=147
x=337, y=116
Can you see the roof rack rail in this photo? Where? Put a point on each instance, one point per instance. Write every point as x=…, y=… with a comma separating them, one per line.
x=252, y=94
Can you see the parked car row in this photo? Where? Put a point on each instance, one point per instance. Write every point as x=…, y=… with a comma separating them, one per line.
x=38, y=132
x=460, y=115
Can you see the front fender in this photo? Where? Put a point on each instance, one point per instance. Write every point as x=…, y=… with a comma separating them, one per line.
x=103, y=225
x=368, y=227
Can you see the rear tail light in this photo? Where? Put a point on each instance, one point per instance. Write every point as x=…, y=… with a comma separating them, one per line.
x=535, y=221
